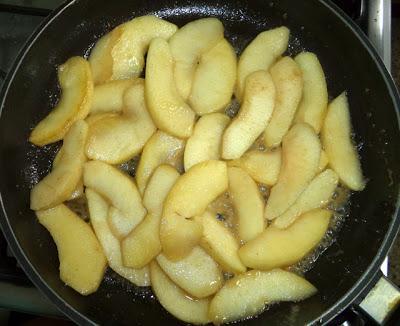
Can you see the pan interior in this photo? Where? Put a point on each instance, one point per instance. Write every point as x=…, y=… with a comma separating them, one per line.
x=348, y=65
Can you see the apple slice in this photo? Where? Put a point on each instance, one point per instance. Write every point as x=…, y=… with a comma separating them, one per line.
x=160, y=149
x=109, y=97
x=143, y=243
x=312, y=108
x=76, y=84
x=280, y=248
x=214, y=79
x=120, y=191
x=98, y=210
x=260, y=54
x=189, y=197
x=117, y=139
x=220, y=243
x=175, y=300
x=263, y=167
x=247, y=203
x=288, y=81
x=317, y=194
x=336, y=137
x=78, y=191
x=120, y=53
x=205, y=142
x=198, y=274
x=253, y=116
x=188, y=44
x=82, y=261
x=323, y=161
x=301, y=150
x=59, y=185
x=247, y=294
x=167, y=108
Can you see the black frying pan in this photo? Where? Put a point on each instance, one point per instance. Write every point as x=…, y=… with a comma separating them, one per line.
x=346, y=269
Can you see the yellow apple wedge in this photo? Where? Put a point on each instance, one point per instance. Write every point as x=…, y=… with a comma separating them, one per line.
x=169, y=111
x=338, y=145
x=117, y=139
x=98, y=211
x=220, y=243
x=253, y=116
x=205, y=142
x=288, y=81
x=59, y=185
x=188, y=44
x=76, y=84
x=263, y=167
x=247, y=204
x=109, y=97
x=177, y=302
x=323, y=161
x=214, y=79
x=120, y=191
x=312, y=108
x=283, y=247
x=120, y=53
x=260, y=54
x=143, y=243
x=198, y=274
x=189, y=197
x=317, y=194
x=82, y=261
x=161, y=148
x=301, y=150
x=247, y=294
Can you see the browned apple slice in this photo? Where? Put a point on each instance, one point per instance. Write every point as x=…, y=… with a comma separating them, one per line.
x=76, y=84
x=59, y=185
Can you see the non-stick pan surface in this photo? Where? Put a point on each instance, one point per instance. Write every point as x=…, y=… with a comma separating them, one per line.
x=345, y=269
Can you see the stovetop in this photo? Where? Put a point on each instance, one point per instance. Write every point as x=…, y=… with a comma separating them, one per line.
x=19, y=18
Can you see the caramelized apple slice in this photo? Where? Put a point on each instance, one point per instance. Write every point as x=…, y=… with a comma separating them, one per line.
x=119, y=138
x=160, y=149
x=316, y=195
x=188, y=44
x=167, y=108
x=214, y=79
x=247, y=294
x=220, y=243
x=336, y=137
x=288, y=82
x=260, y=54
x=263, y=167
x=190, y=196
x=280, y=248
x=312, y=108
x=301, y=150
x=120, y=190
x=98, y=210
x=82, y=261
x=143, y=243
x=76, y=84
x=253, y=116
x=198, y=274
x=247, y=202
x=175, y=300
x=59, y=185
x=205, y=142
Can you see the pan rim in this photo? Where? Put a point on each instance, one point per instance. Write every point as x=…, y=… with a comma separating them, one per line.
x=365, y=281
